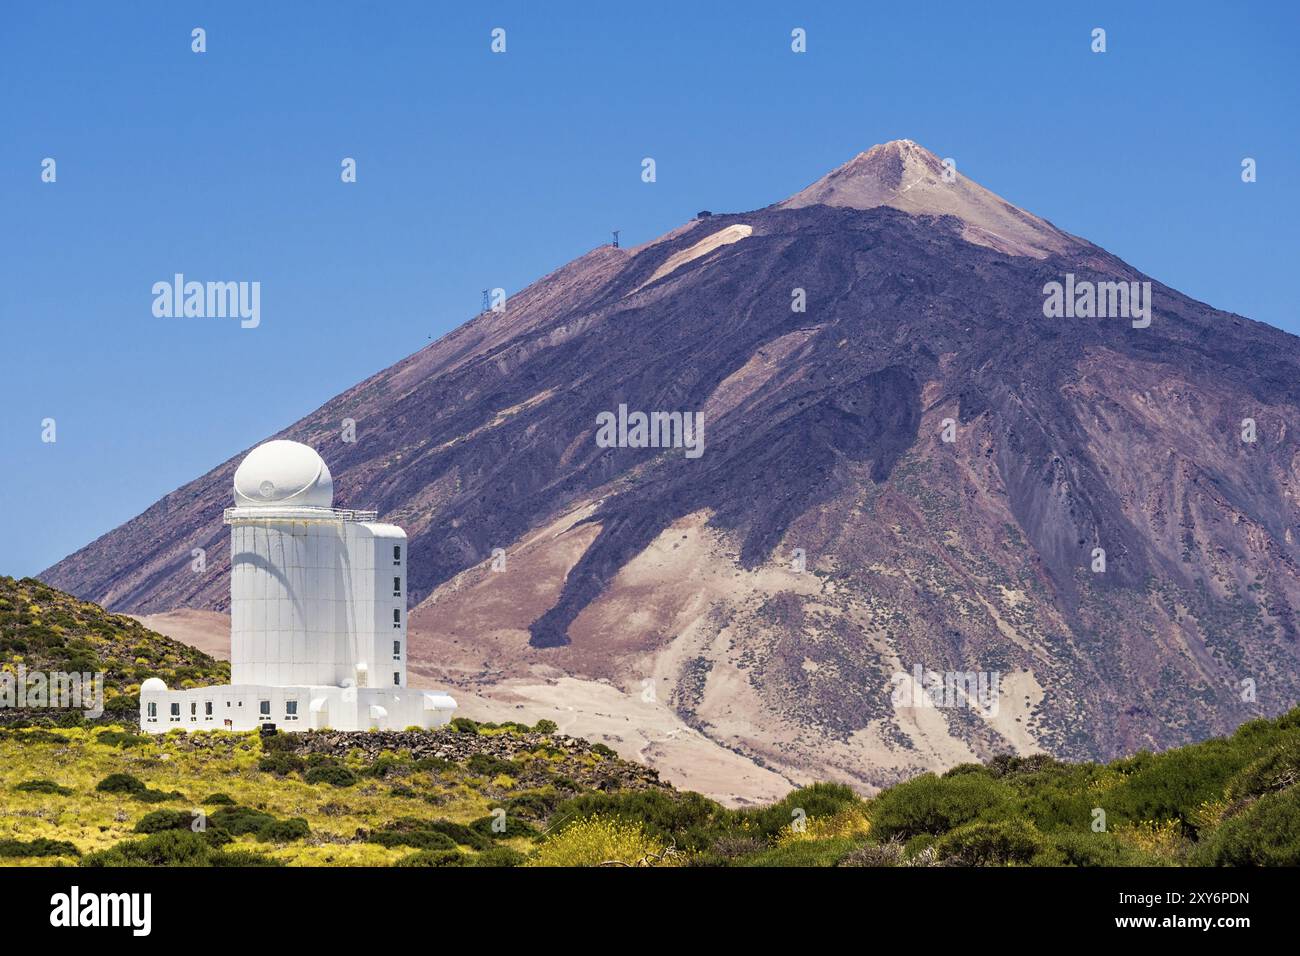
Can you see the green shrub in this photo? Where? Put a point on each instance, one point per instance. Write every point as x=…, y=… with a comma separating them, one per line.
x=1085, y=848
x=284, y=831
x=334, y=775
x=486, y=765
x=803, y=853
x=934, y=805
x=216, y=799
x=603, y=750
x=134, y=787
x=42, y=786
x=159, y=820
x=818, y=800
x=514, y=827
x=264, y=826
x=121, y=783
x=545, y=727
x=38, y=847
x=990, y=844
x=419, y=839
x=281, y=764
x=173, y=848
x=500, y=856
x=436, y=764
x=690, y=820
x=435, y=858
x=1267, y=833
x=118, y=738
x=1276, y=770
x=463, y=725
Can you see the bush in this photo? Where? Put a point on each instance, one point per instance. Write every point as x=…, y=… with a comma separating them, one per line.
x=500, y=856
x=284, y=831
x=1276, y=770
x=159, y=820
x=281, y=764
x=598, y=840
x=545, y=727
x=173, y=848
x=804, y=853
x=436, y=764
x=215, y=799
x=419, y=839
x=42, y=786
x=334, y=775
x=819, y=800
x=485, y=765
x=118, y=738
x=1089, y=849
x=514, y=827
x=38, y=847
x=990, y=844
x=264, y=826
x=689, y=819
x=875, y=854
x=121, y=783
x=430, y=835
x=603, y=750
x=134, y=787
x=931, y=805
x=435, y=858
x=463, y=725
x=1267, y=833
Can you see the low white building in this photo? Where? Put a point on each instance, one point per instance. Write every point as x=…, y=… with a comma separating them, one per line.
x=317, y=613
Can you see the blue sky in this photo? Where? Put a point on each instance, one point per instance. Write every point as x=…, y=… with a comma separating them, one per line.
x=479, y=170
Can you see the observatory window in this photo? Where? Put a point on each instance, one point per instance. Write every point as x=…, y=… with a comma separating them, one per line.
x=397, y=650
x=397, y=587
x=397, y=617
x=176, y=711
x=264, y=708
x=207, y=709
x=152, y=710
x=397, y=678
x=290, y=710
x=194, y=710
x=397, y=554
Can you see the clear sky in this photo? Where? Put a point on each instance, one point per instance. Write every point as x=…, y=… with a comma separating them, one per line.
x=481, y=170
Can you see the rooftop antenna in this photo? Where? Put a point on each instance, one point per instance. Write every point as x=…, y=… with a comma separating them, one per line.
x=616, y=232
x=486, y=304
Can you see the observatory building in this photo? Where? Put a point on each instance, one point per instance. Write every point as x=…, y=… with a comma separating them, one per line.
x=317, y=613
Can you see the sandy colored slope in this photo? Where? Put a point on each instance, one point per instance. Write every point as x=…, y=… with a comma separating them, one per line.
x=209, y=631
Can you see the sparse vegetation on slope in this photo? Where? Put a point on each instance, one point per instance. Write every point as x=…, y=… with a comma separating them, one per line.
x=45, y=630
x=484, y=795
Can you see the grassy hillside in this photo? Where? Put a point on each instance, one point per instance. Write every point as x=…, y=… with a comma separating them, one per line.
x=107, y=797
x=47, y=630
x=470, y=794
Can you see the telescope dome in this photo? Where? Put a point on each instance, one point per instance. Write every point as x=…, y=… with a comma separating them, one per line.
x=283, y=474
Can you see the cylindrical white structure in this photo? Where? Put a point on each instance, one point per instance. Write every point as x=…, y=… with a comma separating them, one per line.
x=317, y=613
x=317, y=595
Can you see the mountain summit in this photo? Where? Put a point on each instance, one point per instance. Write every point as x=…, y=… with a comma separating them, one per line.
x=907, y=470
x=905, y=176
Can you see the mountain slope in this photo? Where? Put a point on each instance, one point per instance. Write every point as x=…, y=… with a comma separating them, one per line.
x=672, y=576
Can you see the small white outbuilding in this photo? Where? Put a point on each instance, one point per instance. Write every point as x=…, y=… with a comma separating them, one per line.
x=317, y=613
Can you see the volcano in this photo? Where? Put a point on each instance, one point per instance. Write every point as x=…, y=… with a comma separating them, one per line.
x=906, y=464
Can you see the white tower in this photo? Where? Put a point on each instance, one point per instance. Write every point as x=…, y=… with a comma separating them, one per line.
x=317, y=612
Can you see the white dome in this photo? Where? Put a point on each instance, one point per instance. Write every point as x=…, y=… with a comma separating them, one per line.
x=283, y=473
x=154, y=685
